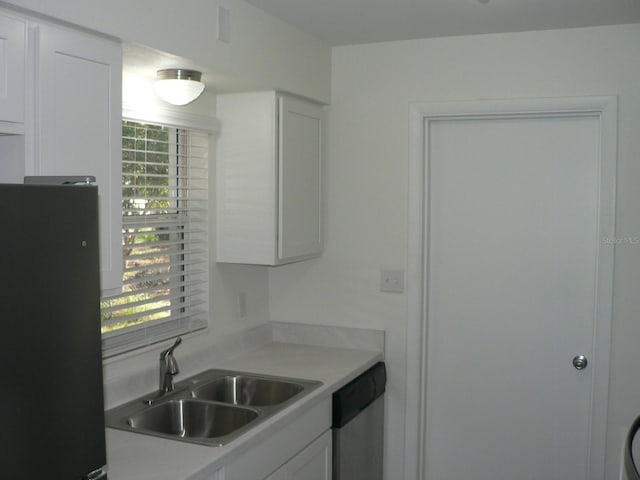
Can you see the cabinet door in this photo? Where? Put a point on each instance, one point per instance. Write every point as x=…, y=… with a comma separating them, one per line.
x=218, y=475
x=78, y=125
x=12, y=74
x=299, y=160
x=312, y=463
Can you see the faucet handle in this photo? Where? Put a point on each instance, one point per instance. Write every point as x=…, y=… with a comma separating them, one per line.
x=172, y=366
x=169, y=351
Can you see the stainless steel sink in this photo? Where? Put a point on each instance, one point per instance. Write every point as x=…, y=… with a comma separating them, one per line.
x=192, y=419
x=248, y=390
x=210, y=408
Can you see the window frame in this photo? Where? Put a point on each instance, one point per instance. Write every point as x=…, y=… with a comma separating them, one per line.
x=131, y=338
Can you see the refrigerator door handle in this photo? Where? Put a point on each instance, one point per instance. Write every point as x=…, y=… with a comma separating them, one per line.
x=98, y=474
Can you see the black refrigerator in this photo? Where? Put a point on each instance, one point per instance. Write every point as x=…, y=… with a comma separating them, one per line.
x=51, y=391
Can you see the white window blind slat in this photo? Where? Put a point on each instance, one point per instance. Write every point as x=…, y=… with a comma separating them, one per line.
x=156, y=293
x=152, y=211
x=162, y=311
x=200, y=253
x=147, y=230
x=164, y=237
x=164, y=272
x=169, y=243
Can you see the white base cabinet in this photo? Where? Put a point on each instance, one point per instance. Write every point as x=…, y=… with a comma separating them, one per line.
x=268, y=179
x=301, y=450
x=312, y=463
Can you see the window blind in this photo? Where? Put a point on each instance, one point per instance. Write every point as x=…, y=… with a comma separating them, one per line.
x=165, y=288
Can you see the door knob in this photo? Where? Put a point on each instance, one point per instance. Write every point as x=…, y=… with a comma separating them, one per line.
x=580, y=362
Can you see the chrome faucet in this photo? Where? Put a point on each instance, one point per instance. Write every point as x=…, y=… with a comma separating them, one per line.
x=168, y=368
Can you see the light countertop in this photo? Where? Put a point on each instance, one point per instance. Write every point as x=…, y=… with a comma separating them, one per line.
x=133, y=456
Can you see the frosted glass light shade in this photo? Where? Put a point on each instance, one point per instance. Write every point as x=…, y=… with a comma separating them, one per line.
x=179, y=86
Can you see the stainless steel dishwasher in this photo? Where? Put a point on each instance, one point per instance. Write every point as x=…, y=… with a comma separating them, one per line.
x=358, y=426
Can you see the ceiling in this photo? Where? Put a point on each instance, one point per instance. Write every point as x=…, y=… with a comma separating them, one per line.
x=347, y=22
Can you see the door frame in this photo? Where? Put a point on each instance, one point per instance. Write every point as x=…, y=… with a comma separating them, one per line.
x=605, y=108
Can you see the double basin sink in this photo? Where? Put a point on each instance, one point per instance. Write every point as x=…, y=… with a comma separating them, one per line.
x=210, y=408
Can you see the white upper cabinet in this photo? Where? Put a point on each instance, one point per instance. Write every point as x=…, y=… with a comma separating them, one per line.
x=78, y=105
x=12, y=74
x=268, y=179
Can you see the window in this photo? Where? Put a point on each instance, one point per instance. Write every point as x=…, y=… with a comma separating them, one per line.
x=164, y=237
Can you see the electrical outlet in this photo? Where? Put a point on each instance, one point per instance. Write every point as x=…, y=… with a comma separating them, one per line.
x=392, y=281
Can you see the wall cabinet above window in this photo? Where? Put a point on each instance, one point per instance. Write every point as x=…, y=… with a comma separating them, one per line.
x=12, y=74
x=268, y=179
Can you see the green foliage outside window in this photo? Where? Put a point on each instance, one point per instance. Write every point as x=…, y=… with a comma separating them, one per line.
x=147, y=170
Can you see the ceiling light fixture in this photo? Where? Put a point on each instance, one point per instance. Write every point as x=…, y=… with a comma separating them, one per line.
x=179, y=86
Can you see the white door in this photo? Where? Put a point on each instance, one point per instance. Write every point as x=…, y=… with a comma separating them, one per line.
x=512, y=290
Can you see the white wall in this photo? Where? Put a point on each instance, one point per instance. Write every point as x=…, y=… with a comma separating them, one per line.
x=264, y=52
x=367, y=184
